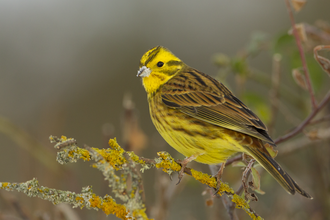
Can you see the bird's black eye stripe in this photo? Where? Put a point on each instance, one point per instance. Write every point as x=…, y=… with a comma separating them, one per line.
x=160, y=64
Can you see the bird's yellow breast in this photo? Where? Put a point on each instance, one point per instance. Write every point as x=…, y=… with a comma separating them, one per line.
x=191, y=136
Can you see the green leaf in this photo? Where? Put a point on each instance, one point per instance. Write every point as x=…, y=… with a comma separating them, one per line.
x=283, y=43
x=238, y=164
x=239, y=66
x=318, y=76
x=259, y=191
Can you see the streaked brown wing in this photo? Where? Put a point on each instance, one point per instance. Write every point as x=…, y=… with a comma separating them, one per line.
x=200, y=96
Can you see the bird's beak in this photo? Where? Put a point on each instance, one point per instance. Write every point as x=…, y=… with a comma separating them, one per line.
x=144, y=72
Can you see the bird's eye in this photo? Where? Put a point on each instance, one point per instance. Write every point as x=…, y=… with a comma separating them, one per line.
x=160, y=64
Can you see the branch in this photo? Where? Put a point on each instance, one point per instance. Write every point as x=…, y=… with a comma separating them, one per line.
x=292, y=146
x=302, y=55
x=234, y=159
x=300, y=127
x=108, y=161
x=320, y=120
x=230, y=207
x=86, y=198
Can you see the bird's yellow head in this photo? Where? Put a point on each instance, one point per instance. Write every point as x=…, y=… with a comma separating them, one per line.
x=157, y=66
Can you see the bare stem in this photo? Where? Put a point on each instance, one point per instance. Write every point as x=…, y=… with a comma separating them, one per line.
x=302, y=55
x=299, y=128
x=322, y=135
x=234, y=159
x=322, y=119
x=230, y=207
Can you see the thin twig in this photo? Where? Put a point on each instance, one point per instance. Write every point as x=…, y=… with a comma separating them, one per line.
x=230, y=207
x=246, y=173
x=288, y=115
x=227, y=203
x=322, y=119
x=302, y=55
x=186, y=170
x=299, y=128
x=166, y=190
x=322, y=135
x=234, y=159
x=239, y=190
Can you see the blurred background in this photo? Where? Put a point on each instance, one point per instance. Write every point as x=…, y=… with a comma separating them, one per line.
x=69, y=68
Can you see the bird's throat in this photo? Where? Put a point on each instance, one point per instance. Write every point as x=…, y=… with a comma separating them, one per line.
x=153, y=82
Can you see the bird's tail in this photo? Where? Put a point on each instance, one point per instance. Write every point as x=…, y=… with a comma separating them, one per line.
x=261, y=155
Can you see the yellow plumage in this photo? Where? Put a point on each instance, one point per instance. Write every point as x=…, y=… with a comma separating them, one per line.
x=201, y=118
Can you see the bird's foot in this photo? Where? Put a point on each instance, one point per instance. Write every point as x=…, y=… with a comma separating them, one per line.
x=184, y=164
x=218, y=176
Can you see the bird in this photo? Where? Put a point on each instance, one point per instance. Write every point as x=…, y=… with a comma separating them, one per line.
x=202, y=119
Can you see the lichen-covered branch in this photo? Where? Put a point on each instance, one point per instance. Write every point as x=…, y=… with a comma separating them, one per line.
x=117, y=166
x=85, y=199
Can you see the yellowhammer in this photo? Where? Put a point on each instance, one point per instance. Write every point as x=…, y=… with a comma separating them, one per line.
x=202, y=119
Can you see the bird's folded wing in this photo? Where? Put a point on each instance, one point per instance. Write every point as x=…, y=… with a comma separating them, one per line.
x=217, y=106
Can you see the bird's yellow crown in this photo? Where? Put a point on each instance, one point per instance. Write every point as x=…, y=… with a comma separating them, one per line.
x=157, y=66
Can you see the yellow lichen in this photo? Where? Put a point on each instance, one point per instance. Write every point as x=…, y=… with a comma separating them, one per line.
x=109, y=206
x=167, y=162
x=80, y=199
x=84, y=154
x=114, y=157
x=135, y=158
x=142, y=213
x=70, y=153
x=114, y=145
x=95, y=202
x=204, y=178
x=133, y=193
x=242, y=204
x=211, y=181
x=4, y=185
